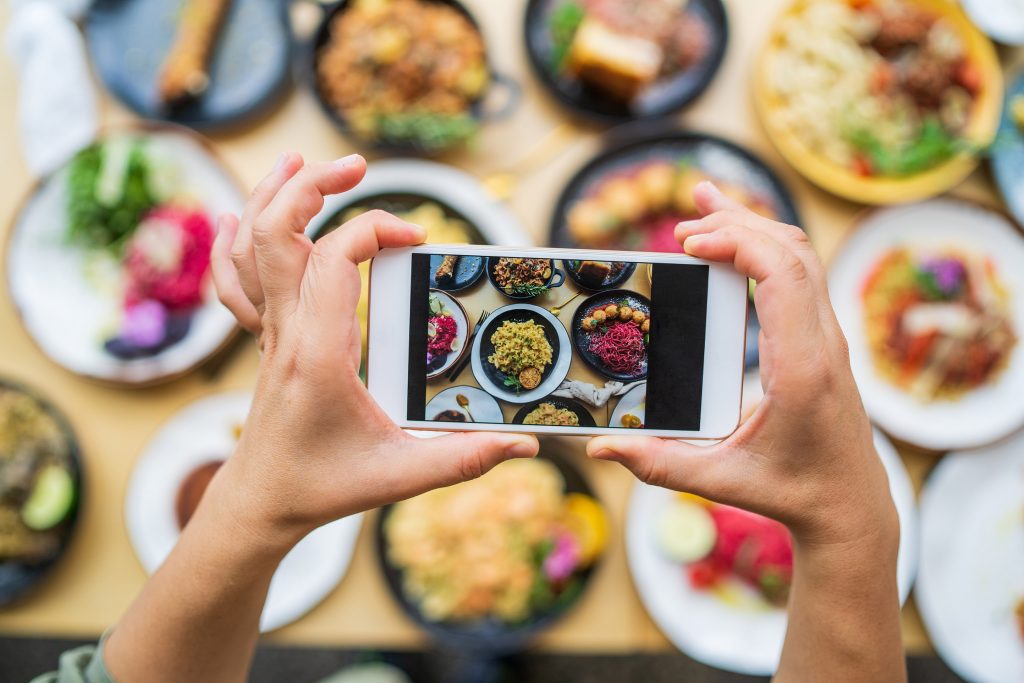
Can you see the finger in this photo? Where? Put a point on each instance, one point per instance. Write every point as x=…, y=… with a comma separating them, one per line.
x=710, y=199
x=225, y=276
x=242, y=253
x=279, y=240
x=447, y=460
x=705, y=471
x=331, y=282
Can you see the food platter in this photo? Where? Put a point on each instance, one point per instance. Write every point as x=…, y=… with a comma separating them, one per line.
x=583, y=414
x=582, y=339
x=703, y=23
x=75, y=301
x=449, y=307
x=476, y=405
x=467, y=273
x=493, y=381
x=249, y=71
x=620, y=272
x=29, y=553
x=732, y=628
x=633, y=402
x=522, y=288
x=206, y=431
x=934, y=230
x=972, y=539
x=785, y=123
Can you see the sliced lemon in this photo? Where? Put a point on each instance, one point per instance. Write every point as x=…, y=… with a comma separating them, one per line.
x=587, y=522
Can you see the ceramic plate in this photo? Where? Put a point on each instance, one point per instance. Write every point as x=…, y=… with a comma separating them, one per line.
x=457, y=312
x=488, y=376
x=200, y=433
x=744, y=635
x=981, y=416
x=1002, y=20
x=482, y=406
x=68, y=302
x=1008, y=155
x=633, y=402
x=972, y=542
x=249, y=70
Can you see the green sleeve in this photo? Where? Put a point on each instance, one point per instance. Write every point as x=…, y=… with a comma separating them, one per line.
x=81, y=665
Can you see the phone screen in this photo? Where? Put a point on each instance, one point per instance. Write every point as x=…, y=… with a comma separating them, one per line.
x=564, y=343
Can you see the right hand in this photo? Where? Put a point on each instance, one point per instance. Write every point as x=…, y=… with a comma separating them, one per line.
x=805, y=456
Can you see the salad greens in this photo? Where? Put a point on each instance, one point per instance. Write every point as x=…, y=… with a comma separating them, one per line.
x=432, y=131
x=563, y=24
x=934, y=145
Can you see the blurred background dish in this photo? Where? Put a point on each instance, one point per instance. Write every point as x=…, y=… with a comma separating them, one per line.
x=1008, y=150
x=205, y=63
x=108, y=258
x=407, y=76
x=613, y=60
x=498, y=367
x=169, y=479
x=449, y=203
x=555, y=411
x=879, y=102
x=970, y=590
x=1002, y=20
x=683, y=556
x=931, y=298
x=40, y=489
x=485, y=566
x=464, y=404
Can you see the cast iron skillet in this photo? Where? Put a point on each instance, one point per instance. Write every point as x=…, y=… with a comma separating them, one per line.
x=250, y=71
x=581, y=339
x=508, y=100
x=623, y=275
x=516, y=314
x=556, y=279
x=663, y=98
x=17, y=578
x=481, y=644
x=584, y=414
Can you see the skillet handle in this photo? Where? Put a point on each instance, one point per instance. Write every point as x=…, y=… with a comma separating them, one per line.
x=557, y=278
x=507, y=92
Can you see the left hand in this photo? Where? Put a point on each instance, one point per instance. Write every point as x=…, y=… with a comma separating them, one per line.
x=316, y=446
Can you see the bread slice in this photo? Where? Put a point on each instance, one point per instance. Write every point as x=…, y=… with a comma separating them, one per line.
x=617, y=63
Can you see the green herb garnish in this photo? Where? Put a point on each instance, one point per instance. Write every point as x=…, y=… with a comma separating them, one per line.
x=512, y=382
x=433, y=132
x=933, y=145
x=563, y=23
x=526, y=290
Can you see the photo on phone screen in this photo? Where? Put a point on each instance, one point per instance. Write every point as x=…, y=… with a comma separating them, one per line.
x=567, y=343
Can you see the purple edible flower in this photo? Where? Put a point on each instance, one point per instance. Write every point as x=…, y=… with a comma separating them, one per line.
x=947, y=275
x=144, y=324
x=563, y=559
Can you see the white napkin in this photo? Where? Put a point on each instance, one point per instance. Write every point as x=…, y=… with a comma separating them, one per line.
x=590, y=394
x=57, y=111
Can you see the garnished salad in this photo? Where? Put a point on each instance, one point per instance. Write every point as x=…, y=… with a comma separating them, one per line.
x=442, y=334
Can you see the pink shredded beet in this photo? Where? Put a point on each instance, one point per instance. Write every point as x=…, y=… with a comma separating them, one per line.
x=168, y=258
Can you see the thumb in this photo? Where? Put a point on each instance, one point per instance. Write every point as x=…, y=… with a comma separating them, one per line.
x=703, y=470
x=447, y=460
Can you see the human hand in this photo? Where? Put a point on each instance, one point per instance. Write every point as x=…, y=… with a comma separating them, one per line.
x=316, y=446
x=805, y=456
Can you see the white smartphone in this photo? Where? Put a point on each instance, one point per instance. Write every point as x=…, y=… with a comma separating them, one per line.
x=556, y=341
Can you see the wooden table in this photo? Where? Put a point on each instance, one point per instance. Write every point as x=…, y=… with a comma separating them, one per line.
x=100, y=575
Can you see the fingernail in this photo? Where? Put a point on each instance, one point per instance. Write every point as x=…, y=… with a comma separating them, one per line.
x=521, y=449
x=348, y=161
x=686, y=225
x=693, y=242
x=710, y=187
x=280, y=161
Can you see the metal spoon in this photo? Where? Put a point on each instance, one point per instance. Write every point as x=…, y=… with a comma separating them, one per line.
x=557, y=310
x=463, y=402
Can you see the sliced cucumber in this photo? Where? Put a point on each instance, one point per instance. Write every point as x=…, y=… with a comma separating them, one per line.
x=51, y=499
x=686, y=532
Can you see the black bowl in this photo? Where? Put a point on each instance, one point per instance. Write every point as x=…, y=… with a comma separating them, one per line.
x=515, y=314
x=664, y=98
x=509, y=99
x=571, y=404
x=556, y=279
x=489, y=638
x=250, y=71
x=608, y=283
x=19, y=577
x=581, y=339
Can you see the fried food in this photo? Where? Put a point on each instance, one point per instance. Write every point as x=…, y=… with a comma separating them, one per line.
x=184, y=74
x=550, y=415
x=445, y=272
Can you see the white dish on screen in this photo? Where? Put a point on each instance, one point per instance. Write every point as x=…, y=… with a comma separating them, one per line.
x=745, y=637
x=458, y=313
x=67, y=314
x=633, y=402
x=200, y=433
x=982, y=415
x=972, y=549
x=482, y=406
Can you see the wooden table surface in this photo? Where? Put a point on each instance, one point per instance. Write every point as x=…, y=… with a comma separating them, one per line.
x=100, y=574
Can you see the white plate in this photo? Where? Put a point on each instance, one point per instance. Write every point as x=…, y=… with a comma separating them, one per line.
x=461, y=330
x=972, y=561
x=745, y=637
x=67, y=315
x=201, y=432
x=633, y=401
x=558, y=371
x=449, y=185
x=483, y=406
x=1002, y=20
x=981, y=416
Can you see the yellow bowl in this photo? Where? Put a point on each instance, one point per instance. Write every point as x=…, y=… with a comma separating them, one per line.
x=845, y=182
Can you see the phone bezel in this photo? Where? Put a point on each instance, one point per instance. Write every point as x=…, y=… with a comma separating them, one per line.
x=724, y=345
